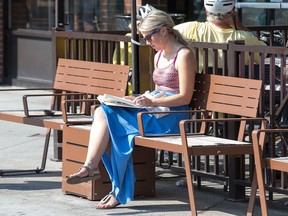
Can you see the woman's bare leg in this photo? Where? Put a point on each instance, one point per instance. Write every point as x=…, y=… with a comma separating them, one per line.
x=99, y=139
x=98, y=142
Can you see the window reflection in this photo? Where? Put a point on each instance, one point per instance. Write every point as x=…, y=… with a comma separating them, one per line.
x=199, y=11
x=33, y=14
x=257, y=14
x=40, y=14
x=82, y=15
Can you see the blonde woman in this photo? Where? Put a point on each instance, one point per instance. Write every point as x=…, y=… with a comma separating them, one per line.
x=114, y=128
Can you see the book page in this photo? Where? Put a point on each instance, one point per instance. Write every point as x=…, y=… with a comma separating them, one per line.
x=111, y=100
x=116, y=101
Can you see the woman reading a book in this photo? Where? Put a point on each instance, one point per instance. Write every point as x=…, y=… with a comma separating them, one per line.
x=114, y=127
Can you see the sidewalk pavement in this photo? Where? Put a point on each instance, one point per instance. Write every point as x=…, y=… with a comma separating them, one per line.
x=21, y=147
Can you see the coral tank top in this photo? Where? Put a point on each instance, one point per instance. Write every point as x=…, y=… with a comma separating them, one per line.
x=167, y=78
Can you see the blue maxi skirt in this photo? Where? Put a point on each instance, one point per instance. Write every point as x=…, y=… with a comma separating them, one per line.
x=123, y=126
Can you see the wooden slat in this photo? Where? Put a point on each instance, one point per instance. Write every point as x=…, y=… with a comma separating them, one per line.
x=237, y=96
x=84, y=85
x=91, y=77
x=90, y=72
x=229, y=95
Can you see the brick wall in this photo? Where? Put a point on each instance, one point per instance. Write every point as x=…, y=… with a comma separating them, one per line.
x=127, y=3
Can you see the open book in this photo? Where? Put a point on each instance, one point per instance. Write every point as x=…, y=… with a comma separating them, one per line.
x=118, y=101
x=111, y=100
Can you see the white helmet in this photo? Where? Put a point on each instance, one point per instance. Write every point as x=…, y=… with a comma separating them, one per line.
x=143, y=11
x=219, y=6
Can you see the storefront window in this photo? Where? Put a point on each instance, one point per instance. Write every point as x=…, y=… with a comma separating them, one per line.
x=82, y=15
x=33, y=14
x=199, y=10
x=261, y=12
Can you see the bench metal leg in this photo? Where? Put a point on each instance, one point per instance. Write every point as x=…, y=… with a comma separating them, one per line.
x=236, y=192
x=44, y=158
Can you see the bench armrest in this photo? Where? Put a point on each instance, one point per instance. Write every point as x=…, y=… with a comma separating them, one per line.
x=26, y=89
x=46, y=112
x=65, y=113
x=243, y=121
x=141, y=114
x=202, y=121
x=223, y=120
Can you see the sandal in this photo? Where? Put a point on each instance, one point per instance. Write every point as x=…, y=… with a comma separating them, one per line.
x=90, y=176
x=106, y=200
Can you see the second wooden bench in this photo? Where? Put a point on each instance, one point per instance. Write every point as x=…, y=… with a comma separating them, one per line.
x=74, y=79
x=230, y=96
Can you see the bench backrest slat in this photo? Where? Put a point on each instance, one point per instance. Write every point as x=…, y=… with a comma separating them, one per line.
x=230, y=95
x=91, y=77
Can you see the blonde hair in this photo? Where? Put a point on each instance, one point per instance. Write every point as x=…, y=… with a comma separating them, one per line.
x=157, y=19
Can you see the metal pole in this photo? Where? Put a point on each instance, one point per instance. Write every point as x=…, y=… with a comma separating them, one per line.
x=135, y=51
x=9, y=15
x=56, y=14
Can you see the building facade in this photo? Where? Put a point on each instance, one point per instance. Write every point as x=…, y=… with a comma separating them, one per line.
x=26, y=32
x=26, y=29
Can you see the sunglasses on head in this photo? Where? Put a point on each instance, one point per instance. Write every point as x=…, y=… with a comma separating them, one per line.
x=148, y=37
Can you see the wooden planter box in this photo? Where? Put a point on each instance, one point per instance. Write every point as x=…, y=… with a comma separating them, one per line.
x=75, y=143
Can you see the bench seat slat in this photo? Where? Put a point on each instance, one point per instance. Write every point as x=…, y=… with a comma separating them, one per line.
x=280, y=163
x=53, y=122
x=197, y=140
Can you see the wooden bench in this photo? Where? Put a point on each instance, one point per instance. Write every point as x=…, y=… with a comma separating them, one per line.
x=213, y=94
x=266, y=161
x=274, y=95
x=76, y=85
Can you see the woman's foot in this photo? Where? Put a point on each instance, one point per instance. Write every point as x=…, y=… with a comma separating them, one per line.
x=84, y=174
x=108, y=202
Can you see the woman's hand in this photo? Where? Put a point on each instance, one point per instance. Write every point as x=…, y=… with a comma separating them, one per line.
x=143, y=101
x=129, y=97
x=140, y=100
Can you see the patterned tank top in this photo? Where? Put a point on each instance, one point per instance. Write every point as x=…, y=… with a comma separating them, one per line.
x=167, y=79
